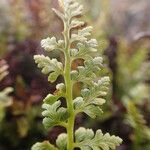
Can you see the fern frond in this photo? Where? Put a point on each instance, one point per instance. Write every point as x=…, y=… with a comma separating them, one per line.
x=75, y=45
x=136, y=120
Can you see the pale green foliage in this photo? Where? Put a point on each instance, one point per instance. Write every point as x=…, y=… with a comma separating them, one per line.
x=133, y=90
x=3, y=70
x=89, y=103
x=49, y=66
x=90, y=70
x=134, y=87
x=50, y=44
x=84, y=49
x=43, y=146
x=87, y=140
x=136, y=120
x=54, y=114
x=75, y=45
x=61, y=141
x=82, y=35
x=5, y=99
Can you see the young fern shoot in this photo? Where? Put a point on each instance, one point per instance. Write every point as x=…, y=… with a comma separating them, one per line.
x=75, y=45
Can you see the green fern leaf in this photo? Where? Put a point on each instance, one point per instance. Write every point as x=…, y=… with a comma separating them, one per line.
x=49, y=66
x=43, y=146
x=5, y=99
x=71, y=9
x=52, y=98
x=136, y=120
x=3, y=69
x=84, y=49
x=91, y=70
x=54, y=114
x=82, y=34
x=76, y=23
x=86, y=140
x=61, y=141
x=50, y=44
x=89, y=103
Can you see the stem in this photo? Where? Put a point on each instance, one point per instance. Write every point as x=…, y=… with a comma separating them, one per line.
x=69, y=85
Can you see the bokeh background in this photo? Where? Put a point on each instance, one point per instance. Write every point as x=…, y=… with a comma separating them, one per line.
x=122, y=28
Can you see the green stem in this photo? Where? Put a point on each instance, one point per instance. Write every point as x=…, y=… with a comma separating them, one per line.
x=69, y=85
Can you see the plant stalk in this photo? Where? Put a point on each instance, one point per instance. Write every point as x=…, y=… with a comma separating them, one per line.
x=69, y=86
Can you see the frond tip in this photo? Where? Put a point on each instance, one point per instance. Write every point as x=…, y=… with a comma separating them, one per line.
x=70, y=9
x=86, y=140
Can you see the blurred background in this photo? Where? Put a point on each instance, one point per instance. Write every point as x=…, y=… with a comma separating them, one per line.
x=122, y=28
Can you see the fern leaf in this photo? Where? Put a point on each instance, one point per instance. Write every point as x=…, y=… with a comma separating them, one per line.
x=52, y=98
x=50, y=44
x=61, y=141
x=89, y=71
x=71, y=9
x=82, y=34
x=5, y=99
x=43, y=146
x=92, y=98
x=76, y=23
x=54, y=114
x=86, y=140
x=49, y=66
x=136, y=120
x=3, y=69
x=84, y=49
